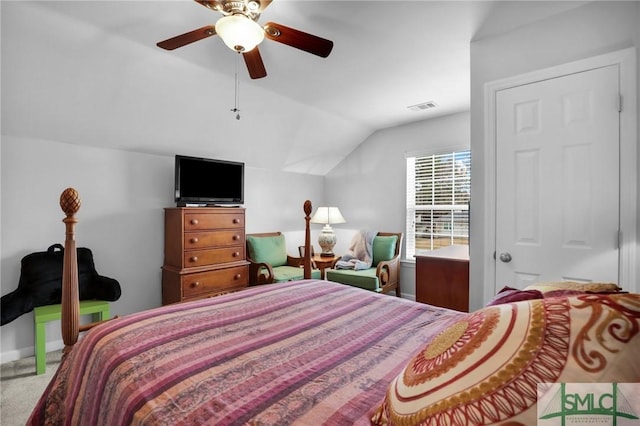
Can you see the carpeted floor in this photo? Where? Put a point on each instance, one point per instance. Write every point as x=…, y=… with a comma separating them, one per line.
x=21, y=388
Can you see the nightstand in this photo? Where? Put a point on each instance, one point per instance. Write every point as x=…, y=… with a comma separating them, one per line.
x=442, y=278
x=324, y=262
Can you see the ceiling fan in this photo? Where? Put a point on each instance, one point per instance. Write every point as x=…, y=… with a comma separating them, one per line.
x=240, y=31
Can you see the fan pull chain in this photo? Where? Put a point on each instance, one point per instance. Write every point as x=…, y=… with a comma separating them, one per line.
x=236, y=107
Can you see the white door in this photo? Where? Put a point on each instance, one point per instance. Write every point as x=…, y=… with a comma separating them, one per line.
x=557, y=179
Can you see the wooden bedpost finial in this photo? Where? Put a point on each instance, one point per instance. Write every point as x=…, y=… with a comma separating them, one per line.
x=70, y=316
x=306, y=262
x=70, y=201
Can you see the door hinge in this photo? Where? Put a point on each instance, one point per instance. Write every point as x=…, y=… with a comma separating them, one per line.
x=619, y=102
x=619, y=240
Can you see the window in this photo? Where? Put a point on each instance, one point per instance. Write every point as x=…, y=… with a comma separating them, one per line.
x=438, y=189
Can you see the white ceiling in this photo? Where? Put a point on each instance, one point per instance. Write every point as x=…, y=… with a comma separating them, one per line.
x=89, y=72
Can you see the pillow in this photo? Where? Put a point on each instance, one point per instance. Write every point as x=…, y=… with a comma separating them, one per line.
x=508, y=295
x=485, y=367
x=271, y=250
x=561, y=293
x=569, y=288
x=384, y=248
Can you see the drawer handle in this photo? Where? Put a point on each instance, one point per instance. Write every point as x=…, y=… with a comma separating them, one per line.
x=236, y=237
x=236, y=220
x=194, y=221
x=236, y=254
x=237, y=277
x=195, y=284
x=193, y=259
x=193, y=240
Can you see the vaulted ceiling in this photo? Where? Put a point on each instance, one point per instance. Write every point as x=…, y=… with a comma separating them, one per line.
x=89, y=72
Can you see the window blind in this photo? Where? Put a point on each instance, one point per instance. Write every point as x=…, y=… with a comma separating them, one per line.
x=438, y=190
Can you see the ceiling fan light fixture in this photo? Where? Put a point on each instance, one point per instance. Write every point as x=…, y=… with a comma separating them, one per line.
x=239, y=33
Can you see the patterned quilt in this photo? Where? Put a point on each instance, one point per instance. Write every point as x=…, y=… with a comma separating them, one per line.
x=306, y=352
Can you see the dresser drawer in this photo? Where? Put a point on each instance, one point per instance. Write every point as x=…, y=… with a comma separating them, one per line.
x=213, y=256
x=196, y=221
x=204, y=253
x=198, y=240
x=211, y=282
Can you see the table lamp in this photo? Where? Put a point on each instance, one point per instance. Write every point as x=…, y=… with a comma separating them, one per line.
x=327, y=238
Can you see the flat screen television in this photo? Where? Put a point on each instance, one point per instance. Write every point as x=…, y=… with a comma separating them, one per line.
x=207, y=181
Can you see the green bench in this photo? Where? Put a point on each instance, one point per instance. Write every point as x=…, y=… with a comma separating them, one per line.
x=44, y=314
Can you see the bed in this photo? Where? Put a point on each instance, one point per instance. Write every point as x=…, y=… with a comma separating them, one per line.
x=314, y=352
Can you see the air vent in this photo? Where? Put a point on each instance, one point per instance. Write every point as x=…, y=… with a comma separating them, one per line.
x=423, y=106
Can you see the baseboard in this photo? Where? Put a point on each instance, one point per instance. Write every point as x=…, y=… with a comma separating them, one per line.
x=27, y=352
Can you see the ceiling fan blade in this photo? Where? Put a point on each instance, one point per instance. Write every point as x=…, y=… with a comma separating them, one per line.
x=208, y=4
x=298, y=39
x=187, y=38
x=254, y=63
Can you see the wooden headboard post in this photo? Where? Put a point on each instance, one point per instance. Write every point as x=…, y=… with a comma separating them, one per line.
x=306, y=263
x=70, y=320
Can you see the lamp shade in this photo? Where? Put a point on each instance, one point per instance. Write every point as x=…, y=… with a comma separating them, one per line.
x=240, y=33
x=328, y=215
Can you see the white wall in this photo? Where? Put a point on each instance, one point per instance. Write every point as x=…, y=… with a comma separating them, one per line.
x=369, y=186
x=587, y=31
x=121, y=218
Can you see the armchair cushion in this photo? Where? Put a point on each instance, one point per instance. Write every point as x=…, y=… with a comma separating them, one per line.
x=271, y=250
x=384, y=273
x=363, y=278
x=291, y=273
x=384, y=248
x=269, y=261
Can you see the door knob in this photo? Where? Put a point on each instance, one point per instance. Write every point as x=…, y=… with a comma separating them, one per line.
x=505, y=257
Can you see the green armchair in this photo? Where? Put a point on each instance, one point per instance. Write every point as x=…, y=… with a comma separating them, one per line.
x=384, y=274
x=269, y=261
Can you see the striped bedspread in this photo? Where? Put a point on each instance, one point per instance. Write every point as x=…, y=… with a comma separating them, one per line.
x=306, y=352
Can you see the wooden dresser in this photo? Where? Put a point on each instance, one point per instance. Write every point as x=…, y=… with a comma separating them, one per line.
x=442, y=278
x=204, y=252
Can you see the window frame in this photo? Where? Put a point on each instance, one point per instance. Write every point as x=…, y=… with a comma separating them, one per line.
x=453, y=209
